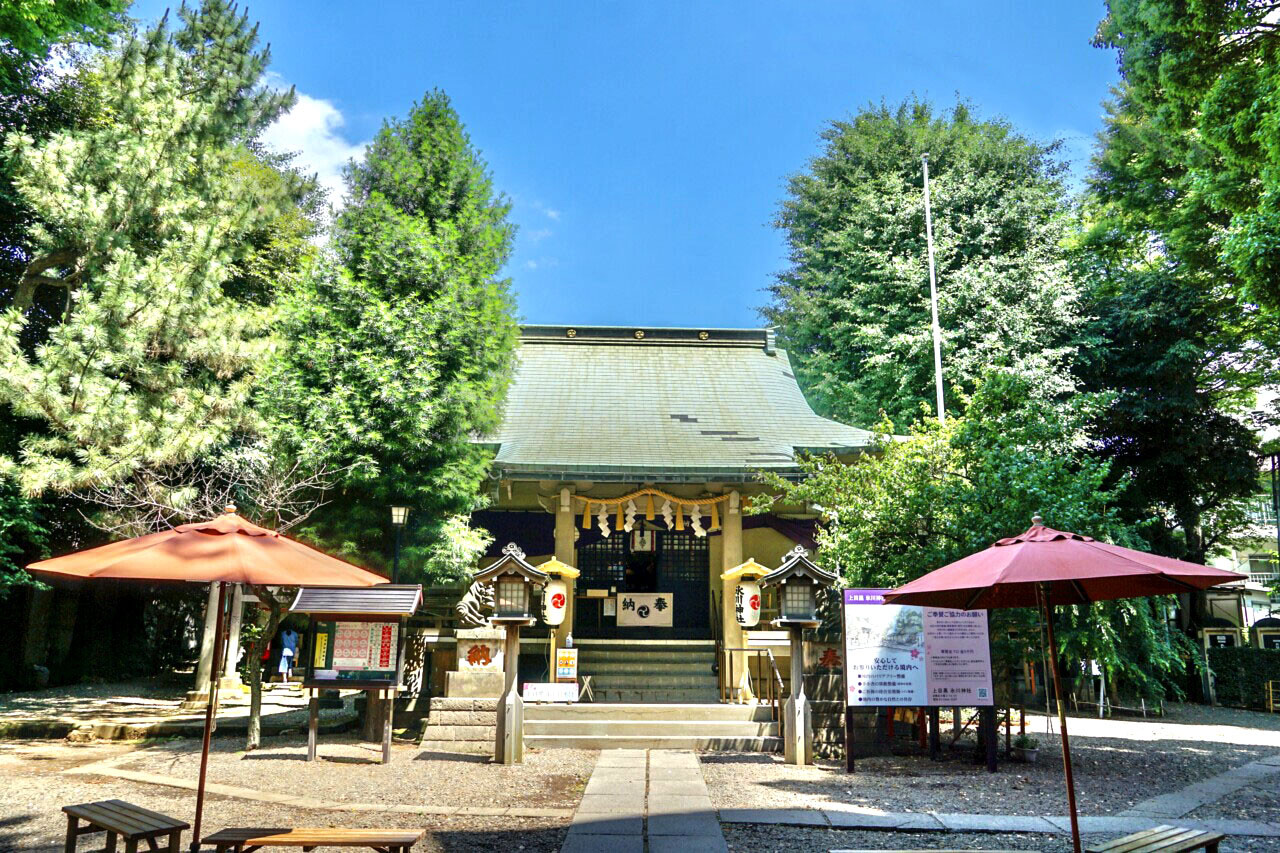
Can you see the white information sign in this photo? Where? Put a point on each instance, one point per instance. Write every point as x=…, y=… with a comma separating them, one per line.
x=542, y=691
x=636, y=609
x=908, y=656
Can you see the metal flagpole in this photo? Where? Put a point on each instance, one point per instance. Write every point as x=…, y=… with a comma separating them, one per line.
x=933, y=296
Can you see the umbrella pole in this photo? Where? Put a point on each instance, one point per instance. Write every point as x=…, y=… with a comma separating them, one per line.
x=1062, y=720
x=215, y=676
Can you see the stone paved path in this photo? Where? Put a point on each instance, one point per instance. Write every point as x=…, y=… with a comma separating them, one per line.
x=1178, y=803
x=635, y=796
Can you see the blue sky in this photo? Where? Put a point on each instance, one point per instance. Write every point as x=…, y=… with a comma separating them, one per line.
x=646, y=144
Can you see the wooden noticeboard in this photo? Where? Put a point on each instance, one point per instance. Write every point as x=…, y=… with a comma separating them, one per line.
x=356, y=651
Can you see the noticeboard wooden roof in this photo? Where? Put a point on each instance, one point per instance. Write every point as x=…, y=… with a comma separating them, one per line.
x=389, y=600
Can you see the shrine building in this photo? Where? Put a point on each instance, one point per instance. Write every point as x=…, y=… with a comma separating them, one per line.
x=630, y=454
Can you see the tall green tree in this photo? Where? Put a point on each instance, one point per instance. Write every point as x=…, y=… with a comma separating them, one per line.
x=1207, y=73
x=401, y=346
x=944, y=492
x=1173, y=336
x=853, y=307
x=140, y=221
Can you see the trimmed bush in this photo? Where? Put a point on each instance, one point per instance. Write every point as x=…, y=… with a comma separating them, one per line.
x=1241, y=675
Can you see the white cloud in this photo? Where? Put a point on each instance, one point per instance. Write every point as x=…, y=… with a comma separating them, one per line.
x=313, y=128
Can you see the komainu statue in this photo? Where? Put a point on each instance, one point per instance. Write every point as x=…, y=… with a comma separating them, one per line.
x=475, y=608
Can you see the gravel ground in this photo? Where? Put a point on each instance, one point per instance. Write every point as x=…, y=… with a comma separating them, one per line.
x=1118, y=763
x=791, y=839
x=32, y=791
x=1261, y=802
x=348, y=770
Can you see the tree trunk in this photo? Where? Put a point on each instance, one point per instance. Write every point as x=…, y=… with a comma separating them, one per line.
x=265, y=621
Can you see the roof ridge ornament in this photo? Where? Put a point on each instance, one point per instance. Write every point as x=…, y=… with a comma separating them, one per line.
x=514, y=550
x=798, y=551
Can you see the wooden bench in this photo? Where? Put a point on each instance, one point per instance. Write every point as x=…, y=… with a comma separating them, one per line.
x=123, y=821
x=1163, y=839
x=246, y=840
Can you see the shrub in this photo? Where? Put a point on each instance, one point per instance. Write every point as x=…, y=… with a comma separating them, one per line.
x=1241, y=675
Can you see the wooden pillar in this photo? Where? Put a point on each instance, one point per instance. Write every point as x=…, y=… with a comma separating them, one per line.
x=509, y=748
x=733, y=637
x=567, y=554
x=935, y=736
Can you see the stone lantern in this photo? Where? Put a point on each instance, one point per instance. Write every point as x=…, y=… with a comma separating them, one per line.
x=798, y=580
x=511, y=577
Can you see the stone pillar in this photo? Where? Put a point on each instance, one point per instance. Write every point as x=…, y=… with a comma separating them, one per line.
x=230, y=674
x=509, y=746
x=797, y=721
x=565, y=553
x=199, y=694
x=35, y=640
x=731, y=556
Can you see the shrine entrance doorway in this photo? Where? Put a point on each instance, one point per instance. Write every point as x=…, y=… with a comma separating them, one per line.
x=645, y=585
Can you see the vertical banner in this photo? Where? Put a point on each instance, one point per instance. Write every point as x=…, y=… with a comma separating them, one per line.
x=908, y=656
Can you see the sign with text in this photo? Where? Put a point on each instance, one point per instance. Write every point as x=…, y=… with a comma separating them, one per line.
x=905, y=656
x=360, y=651
x=543, y=691
x=638, y=609
x=567, y=665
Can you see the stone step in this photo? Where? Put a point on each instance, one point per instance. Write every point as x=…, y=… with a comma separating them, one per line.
x=652, y=682
x=666, y=696
x=710, y=743
x=672, y=667
x=696, y=655
x=620, y=711
x=652, y=729
x=466, y=747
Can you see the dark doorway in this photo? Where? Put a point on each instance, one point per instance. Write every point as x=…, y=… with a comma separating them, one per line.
x=674, y=562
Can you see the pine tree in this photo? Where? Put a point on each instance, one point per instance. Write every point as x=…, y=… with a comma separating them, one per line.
x=140, y=221
x=402, y=346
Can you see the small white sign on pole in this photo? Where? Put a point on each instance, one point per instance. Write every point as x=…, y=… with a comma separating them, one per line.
x=542, y=691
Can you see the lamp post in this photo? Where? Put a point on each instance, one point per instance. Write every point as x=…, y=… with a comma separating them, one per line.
x=399, y=514
x=799, y=580
x=511, y=578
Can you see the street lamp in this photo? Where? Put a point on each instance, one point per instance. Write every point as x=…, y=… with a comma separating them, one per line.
x=399, y=514
x=799, y=579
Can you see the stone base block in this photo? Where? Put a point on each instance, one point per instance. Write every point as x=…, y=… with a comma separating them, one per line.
x=475, y=684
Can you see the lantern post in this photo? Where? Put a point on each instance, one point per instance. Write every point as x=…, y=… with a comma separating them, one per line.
x=798, y=580
x=746, y=611
x=511, y=578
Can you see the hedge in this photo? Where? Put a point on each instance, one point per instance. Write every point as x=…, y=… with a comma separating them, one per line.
x=1241, y=675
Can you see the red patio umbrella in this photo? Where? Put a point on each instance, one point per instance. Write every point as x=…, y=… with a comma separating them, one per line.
x=1045, y=567
x=227, y=549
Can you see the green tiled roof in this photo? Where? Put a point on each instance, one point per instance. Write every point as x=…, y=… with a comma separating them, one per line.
x=667, y=405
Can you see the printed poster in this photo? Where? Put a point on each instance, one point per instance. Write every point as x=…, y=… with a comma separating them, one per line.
x=908, y=656
x=350, y=645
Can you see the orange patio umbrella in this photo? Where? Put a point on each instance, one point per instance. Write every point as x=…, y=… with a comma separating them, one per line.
x=224, y=550
x=1044, y=567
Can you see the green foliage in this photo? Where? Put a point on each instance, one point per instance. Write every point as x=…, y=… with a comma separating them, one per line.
x=853, y=308
x=140, y=221
x=944, y=492
x=1170, y=337
x=23, y=537
x=401, y=346
x=1208, y=72
x=31, y=27
x=1240, y=675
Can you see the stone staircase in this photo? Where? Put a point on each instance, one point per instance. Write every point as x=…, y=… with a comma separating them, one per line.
x=675, y=671
x=734, y=728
